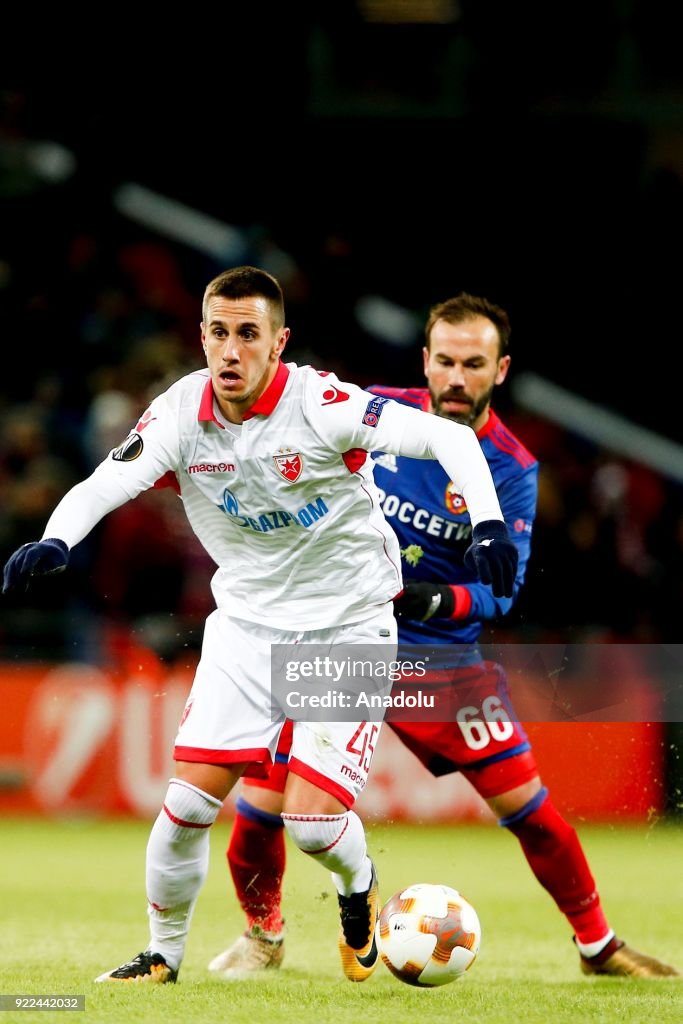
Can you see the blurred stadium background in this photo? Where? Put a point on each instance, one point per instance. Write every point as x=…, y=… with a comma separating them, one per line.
x=377, y=156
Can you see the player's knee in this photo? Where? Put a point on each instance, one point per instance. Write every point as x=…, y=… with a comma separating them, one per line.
x=517, y=798
x=253, y=816
x=517, y=818
x=539, y=821
x=266, y=801
x=187, y=811
x=316, y=833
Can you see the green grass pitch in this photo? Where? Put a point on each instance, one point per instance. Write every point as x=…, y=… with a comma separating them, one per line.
x=72, y=906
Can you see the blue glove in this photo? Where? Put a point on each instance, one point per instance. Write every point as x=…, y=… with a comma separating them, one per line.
x=39, y=558
x=493, y=557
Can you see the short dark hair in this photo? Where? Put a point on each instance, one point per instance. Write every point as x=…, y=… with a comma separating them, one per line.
x=465, y=307
x=243, y=283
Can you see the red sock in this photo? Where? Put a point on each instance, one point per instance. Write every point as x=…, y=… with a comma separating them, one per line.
x=256, y=858
x=556, y=857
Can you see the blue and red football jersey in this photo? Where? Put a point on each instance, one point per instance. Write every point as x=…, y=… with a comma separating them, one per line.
x=421, y=505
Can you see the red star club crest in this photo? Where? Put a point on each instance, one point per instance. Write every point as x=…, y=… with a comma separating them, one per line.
x=289, y=465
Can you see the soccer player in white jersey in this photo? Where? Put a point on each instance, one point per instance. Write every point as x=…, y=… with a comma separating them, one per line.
x=270, y=461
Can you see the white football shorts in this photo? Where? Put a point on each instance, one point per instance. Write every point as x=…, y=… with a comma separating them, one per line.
x=229, y=717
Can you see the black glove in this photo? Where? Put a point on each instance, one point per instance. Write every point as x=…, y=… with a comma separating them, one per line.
x=422, y=601
x=493, y=557
x=39, y=558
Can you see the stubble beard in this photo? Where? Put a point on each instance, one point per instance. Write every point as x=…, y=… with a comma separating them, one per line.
x=466, y=417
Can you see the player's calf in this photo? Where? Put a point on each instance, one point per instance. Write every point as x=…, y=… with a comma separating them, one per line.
x=337, y=841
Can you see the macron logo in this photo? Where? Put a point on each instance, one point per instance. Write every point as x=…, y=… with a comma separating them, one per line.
x=212, y=467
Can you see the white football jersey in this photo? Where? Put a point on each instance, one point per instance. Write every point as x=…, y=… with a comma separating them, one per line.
x=284, y=503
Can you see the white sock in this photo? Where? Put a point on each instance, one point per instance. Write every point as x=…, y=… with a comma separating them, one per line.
x=338, y=842
x=589, y=949
x=177, y=863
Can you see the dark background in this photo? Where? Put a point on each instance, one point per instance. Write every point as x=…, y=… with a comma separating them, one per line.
x=530, y=152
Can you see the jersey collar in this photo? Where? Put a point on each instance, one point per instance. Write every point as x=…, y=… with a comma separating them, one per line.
x=263, y=406
x=491, y=423
x=265, y=403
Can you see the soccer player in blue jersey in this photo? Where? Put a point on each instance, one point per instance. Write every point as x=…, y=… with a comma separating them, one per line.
x=465, y=359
